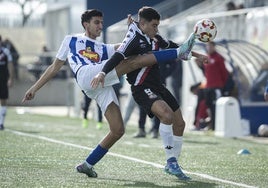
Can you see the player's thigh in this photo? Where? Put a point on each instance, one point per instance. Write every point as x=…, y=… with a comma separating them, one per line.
x=169, y=98
x=145, y=97
x=163, y=111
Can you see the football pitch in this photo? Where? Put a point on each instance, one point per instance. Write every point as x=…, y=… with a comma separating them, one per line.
x=42, y=151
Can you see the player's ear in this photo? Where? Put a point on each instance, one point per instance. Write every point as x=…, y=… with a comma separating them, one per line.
x=142, y=22
x=85, y=24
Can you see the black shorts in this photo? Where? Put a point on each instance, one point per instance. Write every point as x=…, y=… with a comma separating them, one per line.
x=3, y=89
x=146, y=96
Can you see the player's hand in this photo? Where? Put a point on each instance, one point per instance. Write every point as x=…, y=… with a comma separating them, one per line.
x=98, y=79
x=29, y=95
x=129, y=19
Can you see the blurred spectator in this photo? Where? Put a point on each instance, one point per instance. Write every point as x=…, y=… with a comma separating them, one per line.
x=202, y=118
x=6, y=80
x=142, y=120
x=142, y=117
x=216, y=78
x=15, y=56
x=176, y=79
x=241, y=6
x=230, y=6
x=45, y=58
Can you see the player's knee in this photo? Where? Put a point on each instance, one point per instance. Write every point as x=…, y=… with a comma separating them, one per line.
x=179, y=127
x=166, y=117
x=182, y=125
x=118, y=134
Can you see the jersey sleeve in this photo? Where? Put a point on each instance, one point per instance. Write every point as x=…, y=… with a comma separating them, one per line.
x=64, y=49
x=129, y=45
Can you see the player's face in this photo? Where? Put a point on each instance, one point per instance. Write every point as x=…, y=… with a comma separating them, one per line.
x=150, y=28
x=94, y=27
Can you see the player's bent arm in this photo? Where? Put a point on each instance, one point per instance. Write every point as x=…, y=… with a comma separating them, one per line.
x=49, y=73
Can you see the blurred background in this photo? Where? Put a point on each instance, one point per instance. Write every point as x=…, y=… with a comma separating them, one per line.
x=37, y=27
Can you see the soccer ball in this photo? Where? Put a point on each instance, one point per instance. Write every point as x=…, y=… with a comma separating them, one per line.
x=263, y=130
x=205, y=30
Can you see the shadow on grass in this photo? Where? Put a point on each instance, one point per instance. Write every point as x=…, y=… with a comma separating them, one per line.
x=200, y=142
x=24, y=131
x=187, y=184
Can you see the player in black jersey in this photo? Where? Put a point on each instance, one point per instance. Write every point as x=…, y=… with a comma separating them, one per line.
x=146, y=86
x=6, y=80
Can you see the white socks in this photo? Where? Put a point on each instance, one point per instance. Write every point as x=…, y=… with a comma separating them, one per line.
x=3, y=110
x=166, y=133
x=177, y=146
x=172, y=143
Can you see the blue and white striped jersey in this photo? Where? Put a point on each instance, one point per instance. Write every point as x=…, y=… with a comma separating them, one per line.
x=80, y=50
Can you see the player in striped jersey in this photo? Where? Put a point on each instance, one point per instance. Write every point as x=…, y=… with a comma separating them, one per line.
x=86, y=57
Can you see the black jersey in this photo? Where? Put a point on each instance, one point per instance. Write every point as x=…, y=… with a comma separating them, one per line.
x=137, y=43
x=5, y=58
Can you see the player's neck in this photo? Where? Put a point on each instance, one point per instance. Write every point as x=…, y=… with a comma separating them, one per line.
x=93, y=37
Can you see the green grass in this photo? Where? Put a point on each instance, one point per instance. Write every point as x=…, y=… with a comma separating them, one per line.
x=30, y=160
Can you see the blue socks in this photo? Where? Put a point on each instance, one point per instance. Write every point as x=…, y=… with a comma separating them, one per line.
x=165, y=55
x=96, y=155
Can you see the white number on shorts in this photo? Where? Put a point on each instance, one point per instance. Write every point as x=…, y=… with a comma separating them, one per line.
x=150, y=94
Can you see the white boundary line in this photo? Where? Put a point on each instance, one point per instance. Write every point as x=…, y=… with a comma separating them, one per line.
x=205, y=176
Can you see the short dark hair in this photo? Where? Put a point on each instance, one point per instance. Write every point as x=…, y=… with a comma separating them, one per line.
x=148, y=13
x=88, y=14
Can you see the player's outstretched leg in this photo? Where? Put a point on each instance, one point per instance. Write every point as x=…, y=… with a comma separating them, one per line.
x=184, y=51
